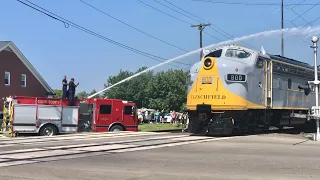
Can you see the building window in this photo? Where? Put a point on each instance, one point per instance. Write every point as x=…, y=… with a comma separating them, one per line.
x=105, y=109
x=23, y=80
x=7, y=78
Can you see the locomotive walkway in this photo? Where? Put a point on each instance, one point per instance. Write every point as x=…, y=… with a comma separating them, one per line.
x=158, y=156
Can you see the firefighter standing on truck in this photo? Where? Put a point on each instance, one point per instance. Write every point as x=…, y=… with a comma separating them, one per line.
x=64, y=87
x=72, y=91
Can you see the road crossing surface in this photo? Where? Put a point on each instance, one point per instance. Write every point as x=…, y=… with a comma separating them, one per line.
x=158, y=156
x=28, y=150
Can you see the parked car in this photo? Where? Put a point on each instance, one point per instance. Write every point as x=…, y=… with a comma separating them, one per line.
x=167, y=118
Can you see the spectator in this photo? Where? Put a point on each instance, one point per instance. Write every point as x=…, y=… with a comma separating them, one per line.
x=173, y=114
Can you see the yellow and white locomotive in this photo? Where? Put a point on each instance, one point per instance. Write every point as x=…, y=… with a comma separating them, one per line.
x=234, y=89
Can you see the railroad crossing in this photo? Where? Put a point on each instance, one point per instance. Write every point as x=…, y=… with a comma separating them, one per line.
x=149, y=155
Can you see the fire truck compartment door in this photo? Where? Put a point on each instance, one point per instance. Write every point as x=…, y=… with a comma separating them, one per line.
x=49, y=113
x=24, y=118
x=70, y=117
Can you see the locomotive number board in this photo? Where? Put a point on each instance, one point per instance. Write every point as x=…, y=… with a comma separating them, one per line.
x=236, y=77
x=206, y=79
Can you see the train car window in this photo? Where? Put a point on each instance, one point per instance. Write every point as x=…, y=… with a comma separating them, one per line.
x=216, y=53
x=237, y=53
x=289, y=83
x=279, y=83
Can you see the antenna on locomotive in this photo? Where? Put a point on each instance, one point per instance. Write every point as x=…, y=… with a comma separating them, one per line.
x=263, y=52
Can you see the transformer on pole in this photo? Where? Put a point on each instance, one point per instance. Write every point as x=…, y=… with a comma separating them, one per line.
x=315, y=110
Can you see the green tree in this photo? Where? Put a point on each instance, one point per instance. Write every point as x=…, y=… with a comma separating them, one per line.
x=93, y=92
x=164, y=90
x=168, y=90
x=133, y=90
x=82, y=95
x=58, y=93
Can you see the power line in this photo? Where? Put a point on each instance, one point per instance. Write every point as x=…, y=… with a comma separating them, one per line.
x=297, y=15
x=132, y=26
x=65, y=21
x=300, y=16
x=306, y=11
x=175, y=18
x=228, y=36
x=253, y=4
x=201, y=20
x=188, y=17
x=175, y=10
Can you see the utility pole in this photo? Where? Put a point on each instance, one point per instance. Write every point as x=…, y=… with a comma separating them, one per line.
x=316, y=114
x=282, y=48
x=201, y=28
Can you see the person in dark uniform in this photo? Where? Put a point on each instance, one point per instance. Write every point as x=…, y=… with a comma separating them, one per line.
x=72, y=91
x=64, y=87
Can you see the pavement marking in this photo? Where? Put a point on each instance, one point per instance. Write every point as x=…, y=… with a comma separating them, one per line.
x=27, y=156
x=2, y=136
x=26, y=141
x=169, y=145
x=77, y=135
x=86, y=145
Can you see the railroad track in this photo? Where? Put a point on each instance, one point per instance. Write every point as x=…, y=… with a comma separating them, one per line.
x=28, y=150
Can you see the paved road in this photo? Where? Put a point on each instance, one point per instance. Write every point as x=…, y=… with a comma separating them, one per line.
x=159, y=156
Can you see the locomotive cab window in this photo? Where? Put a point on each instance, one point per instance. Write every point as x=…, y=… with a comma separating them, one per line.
x=216, y=53
x=260, y=63
x=238, y=54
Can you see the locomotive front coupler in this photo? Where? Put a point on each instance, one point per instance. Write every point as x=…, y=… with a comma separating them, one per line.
x=220, y=125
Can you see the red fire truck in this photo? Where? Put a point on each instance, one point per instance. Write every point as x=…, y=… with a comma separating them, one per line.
x=51, y=116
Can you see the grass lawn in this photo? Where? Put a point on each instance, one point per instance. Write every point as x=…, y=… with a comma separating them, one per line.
x=158, y=127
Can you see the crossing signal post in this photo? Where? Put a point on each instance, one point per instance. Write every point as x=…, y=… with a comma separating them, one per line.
x=315, y=114
x=200, y=28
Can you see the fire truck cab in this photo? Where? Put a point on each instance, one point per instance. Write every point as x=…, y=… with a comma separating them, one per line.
x=51, y=116
x=101, y=115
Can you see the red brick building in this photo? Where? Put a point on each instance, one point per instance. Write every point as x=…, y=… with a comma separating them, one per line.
x=18, y=76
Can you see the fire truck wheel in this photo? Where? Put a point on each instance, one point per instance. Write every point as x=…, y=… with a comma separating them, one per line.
x=116, y=128
x=48, y=130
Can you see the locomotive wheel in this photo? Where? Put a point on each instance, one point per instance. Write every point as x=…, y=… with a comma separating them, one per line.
x=48, y=130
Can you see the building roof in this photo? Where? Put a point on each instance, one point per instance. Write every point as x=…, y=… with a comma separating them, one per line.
x=24, y=60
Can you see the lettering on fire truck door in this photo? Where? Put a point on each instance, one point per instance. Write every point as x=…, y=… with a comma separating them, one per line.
x=105, y=116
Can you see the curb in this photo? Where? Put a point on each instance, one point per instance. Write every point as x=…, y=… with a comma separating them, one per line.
x=171, y=130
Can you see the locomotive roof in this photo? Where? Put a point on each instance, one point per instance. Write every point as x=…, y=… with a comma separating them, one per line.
x=275, y=57
x=290, y=61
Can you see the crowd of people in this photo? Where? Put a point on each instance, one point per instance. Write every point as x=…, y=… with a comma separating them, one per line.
x=150, y=116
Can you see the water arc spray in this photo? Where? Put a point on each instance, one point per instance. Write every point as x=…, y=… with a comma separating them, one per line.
x=306, y=31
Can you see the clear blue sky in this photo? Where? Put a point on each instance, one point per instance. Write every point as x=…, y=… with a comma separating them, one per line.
x=55, y=50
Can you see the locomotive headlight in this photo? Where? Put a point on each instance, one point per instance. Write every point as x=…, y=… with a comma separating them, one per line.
x=207, y=63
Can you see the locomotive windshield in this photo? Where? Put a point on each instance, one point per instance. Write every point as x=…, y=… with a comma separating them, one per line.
x=216, y=53
x=238, y=54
